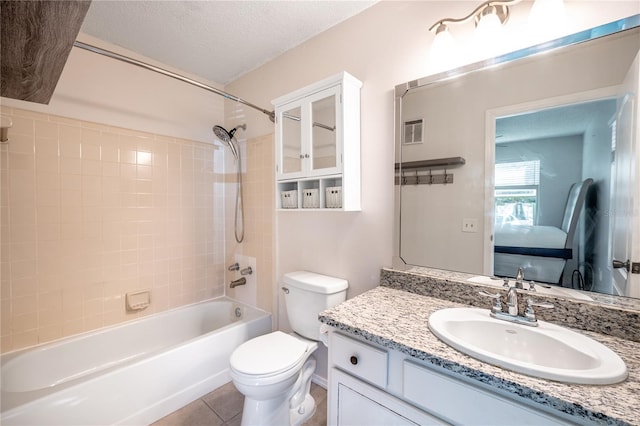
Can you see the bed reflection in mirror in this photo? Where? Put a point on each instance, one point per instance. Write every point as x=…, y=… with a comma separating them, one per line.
x=552, y=180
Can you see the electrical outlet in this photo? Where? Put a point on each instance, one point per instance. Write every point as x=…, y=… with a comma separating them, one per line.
x=469, y=225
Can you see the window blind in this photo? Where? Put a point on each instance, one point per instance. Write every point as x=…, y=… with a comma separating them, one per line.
x=521, y=173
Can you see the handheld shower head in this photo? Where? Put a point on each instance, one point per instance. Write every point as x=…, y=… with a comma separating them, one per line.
x=227, y=137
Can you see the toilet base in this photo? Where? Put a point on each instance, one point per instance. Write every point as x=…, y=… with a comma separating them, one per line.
x=304, y=412
x=289, y=408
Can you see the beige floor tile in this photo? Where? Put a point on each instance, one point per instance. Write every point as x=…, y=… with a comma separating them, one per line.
x=195, y=414
x=319, y=418
x=223, y=406
x=226, y=401
x=236, y=421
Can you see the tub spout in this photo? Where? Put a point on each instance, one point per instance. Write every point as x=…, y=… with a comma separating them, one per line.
x=239, y=281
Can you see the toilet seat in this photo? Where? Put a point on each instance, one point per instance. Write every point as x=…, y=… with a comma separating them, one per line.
x=269, y=355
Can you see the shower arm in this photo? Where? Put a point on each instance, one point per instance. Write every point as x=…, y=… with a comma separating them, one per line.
x=167, y=73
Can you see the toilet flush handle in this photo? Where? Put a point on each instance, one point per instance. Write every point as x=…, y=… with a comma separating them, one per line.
x=286, y=290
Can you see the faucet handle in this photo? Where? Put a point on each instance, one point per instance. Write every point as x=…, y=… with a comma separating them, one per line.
x=497, y=305
x=530, y=314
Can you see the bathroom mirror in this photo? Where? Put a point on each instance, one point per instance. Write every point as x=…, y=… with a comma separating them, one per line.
x=468, y=140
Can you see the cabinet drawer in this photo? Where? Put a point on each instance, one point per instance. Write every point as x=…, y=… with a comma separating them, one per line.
x=461, y=403
x=359, y=359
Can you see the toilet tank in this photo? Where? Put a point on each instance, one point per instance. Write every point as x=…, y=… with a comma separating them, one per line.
x=306, y=294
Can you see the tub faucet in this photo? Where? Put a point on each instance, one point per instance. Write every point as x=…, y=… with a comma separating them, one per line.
x=239, y=281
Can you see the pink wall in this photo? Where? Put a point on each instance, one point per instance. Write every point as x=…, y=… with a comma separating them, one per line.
x=91, y=212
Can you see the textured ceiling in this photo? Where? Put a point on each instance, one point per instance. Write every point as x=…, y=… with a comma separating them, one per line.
x=217, y=40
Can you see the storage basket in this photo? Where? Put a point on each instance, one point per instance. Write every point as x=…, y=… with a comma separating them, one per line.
x=333, y=197
x=310, y=199
x=289, y=199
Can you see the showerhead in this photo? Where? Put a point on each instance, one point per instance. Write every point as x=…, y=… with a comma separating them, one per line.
x=227, y=137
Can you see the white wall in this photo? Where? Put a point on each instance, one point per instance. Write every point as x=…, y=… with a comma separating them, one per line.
x=597, y=165
x=384, y=46
x=521, y=86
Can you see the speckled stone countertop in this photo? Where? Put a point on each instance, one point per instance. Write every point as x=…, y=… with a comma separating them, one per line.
x=398, y=319
x=615, y=316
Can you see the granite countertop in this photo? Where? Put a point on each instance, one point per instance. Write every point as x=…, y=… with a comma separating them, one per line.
x=398, y=320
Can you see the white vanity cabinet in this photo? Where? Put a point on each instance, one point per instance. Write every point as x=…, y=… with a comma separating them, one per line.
x=372, y=385
x=318, y=145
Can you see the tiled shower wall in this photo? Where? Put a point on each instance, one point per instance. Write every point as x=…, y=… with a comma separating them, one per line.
x=90, y=212
x=259, y=203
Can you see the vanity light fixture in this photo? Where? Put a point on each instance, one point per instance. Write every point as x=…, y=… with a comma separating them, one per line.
x=490, y=12
x=489, y=17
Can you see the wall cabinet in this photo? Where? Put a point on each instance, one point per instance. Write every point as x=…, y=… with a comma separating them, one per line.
x=318, y=145
x=369, y=384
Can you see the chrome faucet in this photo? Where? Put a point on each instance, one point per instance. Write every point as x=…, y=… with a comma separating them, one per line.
x=512, y=299
x=519, y=277
x=529, y=317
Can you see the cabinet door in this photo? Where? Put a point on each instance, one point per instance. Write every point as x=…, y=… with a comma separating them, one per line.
x=325, y=141
x=309, y=135
x=355, y=408
x=290, y=156
x=355, y=403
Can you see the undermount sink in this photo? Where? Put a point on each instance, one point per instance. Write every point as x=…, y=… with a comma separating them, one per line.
x=547, y=351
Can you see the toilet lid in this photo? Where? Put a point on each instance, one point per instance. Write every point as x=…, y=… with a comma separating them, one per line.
x=268, y=354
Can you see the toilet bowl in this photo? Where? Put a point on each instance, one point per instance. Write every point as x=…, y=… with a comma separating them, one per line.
x=274, y=371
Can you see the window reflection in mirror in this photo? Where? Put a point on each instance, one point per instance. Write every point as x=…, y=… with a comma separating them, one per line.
x=539, y=155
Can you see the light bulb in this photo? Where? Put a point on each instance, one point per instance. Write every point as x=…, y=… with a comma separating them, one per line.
x=487, y=34
x=489, y=26
x=547, y=15
x=442, y=55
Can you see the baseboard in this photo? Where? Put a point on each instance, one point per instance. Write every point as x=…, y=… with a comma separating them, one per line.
x=320, y=381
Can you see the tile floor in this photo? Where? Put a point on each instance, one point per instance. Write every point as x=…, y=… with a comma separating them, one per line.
x=223, y=407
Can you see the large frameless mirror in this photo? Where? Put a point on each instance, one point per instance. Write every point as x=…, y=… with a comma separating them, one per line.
x=526, y=161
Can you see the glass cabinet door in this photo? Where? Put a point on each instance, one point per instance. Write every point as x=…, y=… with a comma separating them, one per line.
x=310, y=140
x=292, y=156
x=323, y=133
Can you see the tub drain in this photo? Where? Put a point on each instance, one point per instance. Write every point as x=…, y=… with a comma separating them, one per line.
x=238, y=313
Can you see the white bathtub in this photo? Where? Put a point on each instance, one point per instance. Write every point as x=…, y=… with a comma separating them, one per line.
x=134, y=373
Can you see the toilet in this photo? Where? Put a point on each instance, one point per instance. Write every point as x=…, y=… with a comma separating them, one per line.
x=273, y=371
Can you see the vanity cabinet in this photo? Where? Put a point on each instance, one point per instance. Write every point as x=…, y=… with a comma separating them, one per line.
x=318, y=145
x=370, y=384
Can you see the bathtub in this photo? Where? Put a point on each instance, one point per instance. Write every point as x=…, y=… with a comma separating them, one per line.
x=133, y=373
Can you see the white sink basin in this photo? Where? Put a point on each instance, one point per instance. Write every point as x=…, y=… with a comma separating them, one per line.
x=547, y=351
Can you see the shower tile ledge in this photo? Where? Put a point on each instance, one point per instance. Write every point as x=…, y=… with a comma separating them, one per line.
x=397, y=319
